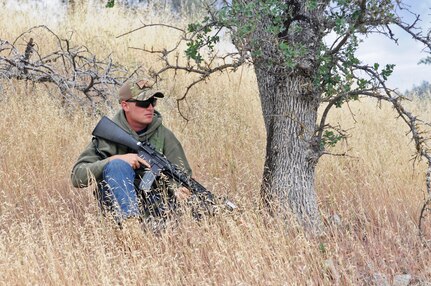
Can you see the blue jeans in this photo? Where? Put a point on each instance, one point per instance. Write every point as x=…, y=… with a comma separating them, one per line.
x=117, y=192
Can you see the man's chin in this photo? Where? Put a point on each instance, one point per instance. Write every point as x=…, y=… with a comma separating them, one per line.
x=147, y=120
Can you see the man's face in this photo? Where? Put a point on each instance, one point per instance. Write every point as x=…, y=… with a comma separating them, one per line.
x=139, y=114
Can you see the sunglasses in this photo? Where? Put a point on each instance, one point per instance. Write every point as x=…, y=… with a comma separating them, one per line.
x=144, y=103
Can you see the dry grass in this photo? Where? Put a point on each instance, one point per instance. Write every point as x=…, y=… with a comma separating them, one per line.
x=52, y=234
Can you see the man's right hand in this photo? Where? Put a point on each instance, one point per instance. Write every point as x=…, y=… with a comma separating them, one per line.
x=132, y=159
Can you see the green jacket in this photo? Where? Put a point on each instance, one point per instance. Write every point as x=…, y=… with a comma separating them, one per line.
x=95, y=156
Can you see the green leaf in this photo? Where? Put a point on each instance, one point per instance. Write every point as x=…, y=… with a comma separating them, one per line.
x=425, y=61
x=376, y=66
x=193, y=27
x=311, y=4
x=110, y=4
x=329, y=138
x=322, y=248
x=192, y=52
x=387, y=71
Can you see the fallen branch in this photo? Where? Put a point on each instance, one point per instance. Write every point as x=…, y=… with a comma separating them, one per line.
x=82, y=78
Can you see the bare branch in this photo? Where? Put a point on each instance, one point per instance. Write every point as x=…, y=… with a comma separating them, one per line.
x=150, y=25
x=413, y=28
x=82, y=78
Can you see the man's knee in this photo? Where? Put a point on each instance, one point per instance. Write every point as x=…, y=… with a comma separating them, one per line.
x=118, y=164
x=118, y=173
x=118, y=169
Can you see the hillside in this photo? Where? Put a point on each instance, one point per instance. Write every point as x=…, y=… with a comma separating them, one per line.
x=53, y=234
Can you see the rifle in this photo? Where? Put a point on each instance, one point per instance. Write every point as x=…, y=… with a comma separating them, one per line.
x=108, y=130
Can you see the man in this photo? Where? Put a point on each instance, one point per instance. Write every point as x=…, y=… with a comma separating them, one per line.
x=117, y=170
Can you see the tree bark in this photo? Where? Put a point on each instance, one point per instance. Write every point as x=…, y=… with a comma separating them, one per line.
x=289, y=172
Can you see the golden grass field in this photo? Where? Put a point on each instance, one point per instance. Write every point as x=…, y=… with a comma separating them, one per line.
x=53, y=234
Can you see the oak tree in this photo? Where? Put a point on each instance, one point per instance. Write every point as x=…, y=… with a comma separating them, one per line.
x=304, y=54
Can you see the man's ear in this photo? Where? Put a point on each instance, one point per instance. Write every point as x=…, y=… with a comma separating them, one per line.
x=124, y=106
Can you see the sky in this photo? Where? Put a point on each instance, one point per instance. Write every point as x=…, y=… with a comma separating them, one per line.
x=405, y=55
x=375, y=48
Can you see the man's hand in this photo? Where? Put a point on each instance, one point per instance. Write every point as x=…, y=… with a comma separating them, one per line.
x=182, y=193
x=133, y=159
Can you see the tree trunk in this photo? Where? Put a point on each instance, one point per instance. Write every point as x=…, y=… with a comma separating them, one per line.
x=289, y=172
x=289, y=103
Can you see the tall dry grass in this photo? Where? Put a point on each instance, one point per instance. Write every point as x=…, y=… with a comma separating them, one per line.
x=52, y=234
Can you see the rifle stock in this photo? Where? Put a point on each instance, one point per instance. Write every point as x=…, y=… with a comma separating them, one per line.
x=108, y=130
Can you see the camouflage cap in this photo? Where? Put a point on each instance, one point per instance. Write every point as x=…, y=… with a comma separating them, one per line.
x=139, y=90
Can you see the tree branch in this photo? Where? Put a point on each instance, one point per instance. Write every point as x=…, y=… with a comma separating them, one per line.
x=82, y=78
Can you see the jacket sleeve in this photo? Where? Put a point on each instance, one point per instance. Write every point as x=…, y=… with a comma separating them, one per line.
x=91, y=163
x=174, y=152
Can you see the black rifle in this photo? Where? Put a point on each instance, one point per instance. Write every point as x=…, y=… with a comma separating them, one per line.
x=108, y=130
